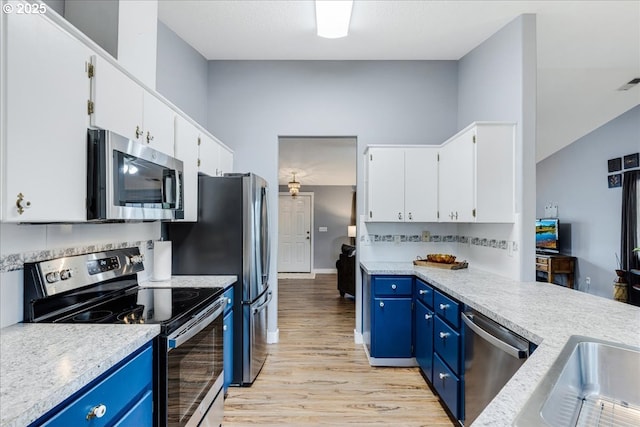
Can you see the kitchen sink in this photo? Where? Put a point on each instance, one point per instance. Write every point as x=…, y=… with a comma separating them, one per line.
x=591, y=383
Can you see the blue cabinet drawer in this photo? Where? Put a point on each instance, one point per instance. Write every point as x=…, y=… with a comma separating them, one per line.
x=391, y=332
x=424, y=339
x=228, y=294
x=119, y=392
x=390, y=286
x=447, y=308
x=141, y=415
x=446, y=342
x=424, y=293
x=448, y=386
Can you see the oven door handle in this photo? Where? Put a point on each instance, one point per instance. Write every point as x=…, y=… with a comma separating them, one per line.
x=196, y=325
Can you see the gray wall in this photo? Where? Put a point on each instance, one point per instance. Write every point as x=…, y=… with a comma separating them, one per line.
x=57, y=5
x=182, y=74
x=576, y=179
x=251, y=103
x=331, y=209
x=497, y=82
x=98, y=19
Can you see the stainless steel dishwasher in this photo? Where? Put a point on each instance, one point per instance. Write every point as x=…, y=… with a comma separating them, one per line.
x=493, y=354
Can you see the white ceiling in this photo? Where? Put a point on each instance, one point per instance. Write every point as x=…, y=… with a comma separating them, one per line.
x=586, y=49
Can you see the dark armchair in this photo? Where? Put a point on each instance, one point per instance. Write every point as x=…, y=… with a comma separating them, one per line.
x=346, y=266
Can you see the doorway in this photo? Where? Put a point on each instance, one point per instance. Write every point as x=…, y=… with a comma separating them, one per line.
x=295, y=222
x=318, y=172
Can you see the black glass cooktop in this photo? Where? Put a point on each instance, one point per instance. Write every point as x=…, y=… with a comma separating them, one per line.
x=169, y=307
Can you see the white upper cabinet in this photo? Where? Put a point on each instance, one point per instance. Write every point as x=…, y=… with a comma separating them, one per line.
x=215, y=159
x=421, y=184
x=45, y=135
x=186, y=147
x=122, y=106
x=476, y=174
x=117, y=100
x=402, y=184
x=158, y=123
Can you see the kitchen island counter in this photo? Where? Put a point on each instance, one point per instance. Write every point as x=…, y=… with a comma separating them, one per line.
x=543, y=313
x=41, y=364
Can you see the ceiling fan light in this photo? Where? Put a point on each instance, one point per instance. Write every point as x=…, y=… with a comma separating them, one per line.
x=333, y=17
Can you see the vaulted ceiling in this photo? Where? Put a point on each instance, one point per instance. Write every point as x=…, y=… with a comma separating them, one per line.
x=586, y=49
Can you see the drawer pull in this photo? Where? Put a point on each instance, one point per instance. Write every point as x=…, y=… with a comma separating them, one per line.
x=423, y=291
x=381, y=304
x=393, y=286
x=443, y=376
x=444, y=335
x=97, y=411
x=224, y=328
x=444, y=306
x=229, y=301
x=427, y=316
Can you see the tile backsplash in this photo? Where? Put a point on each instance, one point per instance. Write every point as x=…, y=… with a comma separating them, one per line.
x=436, y=238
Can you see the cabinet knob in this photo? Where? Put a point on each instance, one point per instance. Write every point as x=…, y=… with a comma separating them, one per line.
x=410, y=216
x=381, y=304
x=443, y=376
x=149, y=137
x=229, y=301
x=423, y=291
x=444, y=306
x=393, y=286
x=444, y=335
x=97, y=411
x=427, y=316
x=399, y=215
x=224, y=327
x=138, y=132
x=22, y=204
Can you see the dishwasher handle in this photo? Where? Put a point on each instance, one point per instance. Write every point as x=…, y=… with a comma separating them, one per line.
x=512, y=351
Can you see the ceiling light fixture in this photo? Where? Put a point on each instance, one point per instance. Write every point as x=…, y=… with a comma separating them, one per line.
x=294, y=186
x=332, y=18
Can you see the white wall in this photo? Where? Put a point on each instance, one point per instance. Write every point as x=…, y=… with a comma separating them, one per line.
x=576, y=179
x=497, y=83
x=251, y=103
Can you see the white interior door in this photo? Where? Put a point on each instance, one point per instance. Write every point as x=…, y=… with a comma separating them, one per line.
x=294, y=234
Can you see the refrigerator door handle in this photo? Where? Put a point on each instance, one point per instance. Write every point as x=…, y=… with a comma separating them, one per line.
x=262, y=306
x=265, y=248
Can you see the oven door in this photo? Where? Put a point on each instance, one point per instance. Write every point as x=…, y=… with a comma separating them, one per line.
x=194, y=375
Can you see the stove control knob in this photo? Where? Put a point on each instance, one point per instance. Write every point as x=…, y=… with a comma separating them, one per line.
x=97, y=411
x=136, y=259
x=65, y=274
x=53, y=277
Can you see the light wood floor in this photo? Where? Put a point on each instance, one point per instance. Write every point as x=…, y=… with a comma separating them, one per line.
x=317, y=375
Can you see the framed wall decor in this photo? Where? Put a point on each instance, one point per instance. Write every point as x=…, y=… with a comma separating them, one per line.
x=631, y=161
x=615, y=180
x=615, y=164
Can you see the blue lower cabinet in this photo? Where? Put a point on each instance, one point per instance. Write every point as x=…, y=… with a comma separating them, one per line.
x=123, y=397
x=448, y=386
x=227, y=330
x=391, y=331
x=424, y=339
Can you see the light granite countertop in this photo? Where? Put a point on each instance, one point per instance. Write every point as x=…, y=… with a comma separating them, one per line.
x=43, y=364
x=193, y=282
x=545, y=314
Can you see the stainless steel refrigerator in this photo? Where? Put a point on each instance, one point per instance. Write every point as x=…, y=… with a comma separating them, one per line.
x=232, y=237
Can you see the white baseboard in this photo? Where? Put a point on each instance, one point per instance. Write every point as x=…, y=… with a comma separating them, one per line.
x=325, y=271
x=273, y=337
x=357, y=337
x=297, y=275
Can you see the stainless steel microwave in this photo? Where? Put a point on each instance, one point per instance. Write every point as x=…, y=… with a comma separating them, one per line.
x=129, y=181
